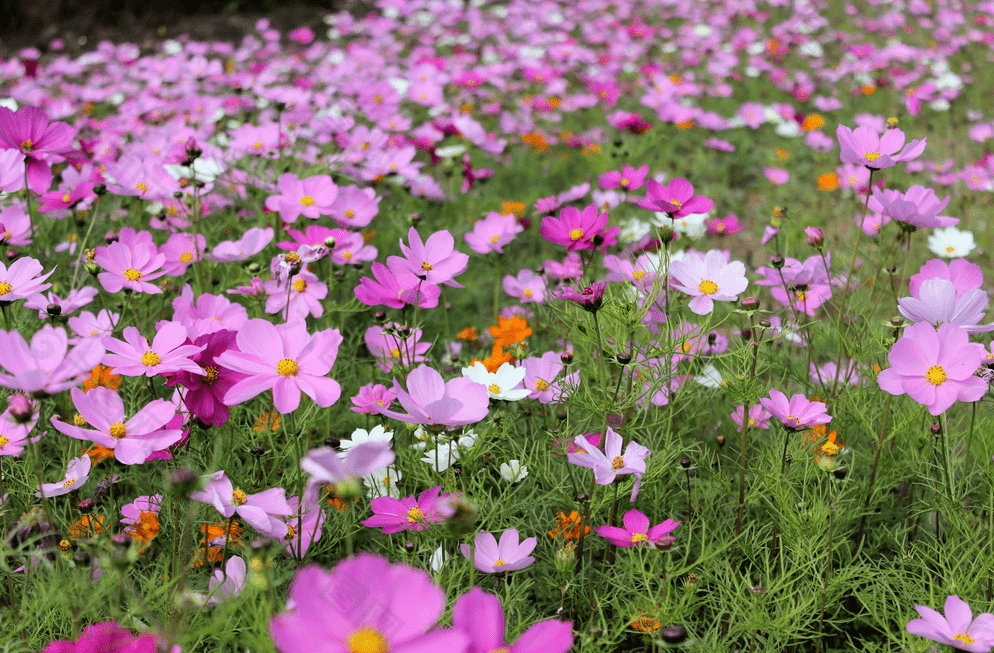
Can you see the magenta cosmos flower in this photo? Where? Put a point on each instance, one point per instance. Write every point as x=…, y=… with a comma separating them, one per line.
x=638, y=532
x=509, y=554
x=481, y=618
x=797, y=413
x=935, y=368
x=957, y=628
x=364, y=605
x=577, y=229
x=47, y=366
x=29, y=132
x=170, y=351
x=103, y=422
x=261, y=511
x=286, y=359
x=708, y=278
x=676, y=199
x=434, y=260
x=431, y=400
x=864, y=146
x=106, y=637
x=407, y=514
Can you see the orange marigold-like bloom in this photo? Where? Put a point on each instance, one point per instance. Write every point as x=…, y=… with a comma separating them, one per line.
x=103, y=376
x=469, y=334
x=85, y=526
x=569, y=527
x=496, y=358
x=868, y=89
x=517, y=209
x=536, y=141
x=781, y=154
x=340, y=504
x=98, y=454
x=268, y=420
x=644, y=622
x=812, y=121
x=509, y=331
x=828, y=181
x=215, y=554
x=146, y=529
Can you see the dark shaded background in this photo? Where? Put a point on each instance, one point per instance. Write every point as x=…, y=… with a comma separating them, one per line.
x=83, y=23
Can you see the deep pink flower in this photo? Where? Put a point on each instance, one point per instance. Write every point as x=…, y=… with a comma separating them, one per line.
x=865, y=146
x=957, y=628
x=434, y=260
x=407, y=514
x=481, y=618
x=724, y=226
x=708, y=278
x=492, y=557
x=311, y=197
x=204, y=396
x=396, y=287
x=935, y=368
x=577, y=230
x=106, y=637
x=676, y=199
x=29, y=132
x=430, y=400
x=262, y=511
x=628, y=178
x=286, y=359
x=589, y=298
x=169, y=352
x=797, y=413
x=372, y=397
x=638, y=532
x=365, y=604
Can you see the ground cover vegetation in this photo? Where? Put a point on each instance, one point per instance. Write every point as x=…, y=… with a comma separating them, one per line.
x=517, y=326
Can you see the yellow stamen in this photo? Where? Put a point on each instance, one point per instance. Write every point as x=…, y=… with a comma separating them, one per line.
x=307, y=200
x=287, y=367
x=132, y=274
x=414, y=515
x=617, y=463
x=239, y=498
x=708, y=287
x=367, y=640
x=872, y=156
x=5, y=288
x=575, y=234
x=936, y=375
x=117, y=430
x=150, y=358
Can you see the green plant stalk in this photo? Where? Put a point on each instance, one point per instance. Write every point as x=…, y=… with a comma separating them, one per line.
x=878, y=444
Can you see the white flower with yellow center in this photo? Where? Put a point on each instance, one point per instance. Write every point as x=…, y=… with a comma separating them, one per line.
x=513, y=471
x=950, y=242
x=500, y=384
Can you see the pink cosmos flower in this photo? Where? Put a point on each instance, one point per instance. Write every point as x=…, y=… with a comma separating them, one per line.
x=364, y=604
x=261, y=511
x=16, y=423
x=708, y=278
x=589, y=298
x=29, y=132
x=76, y=476
x=394, y=286
x=327, y=466
x=75, y=300
x=435, y=260
x=251, y=243
x=106, y=637
x=227, y=583
x=611, y=463
x=964, y=275
x=797, y=413
x=355, y=207
x=298, y=298
x=541, y=377
x=628, y=178
x=372, y=397
x=130, y=267
x=917, y=207
x=407, y=514
x=493, y=232
x=936, y=303
x=957, y=628
x=22, y=279
x=758, y=416
x=207, y=313
x=181, y=253
x=935, y=367
x=480, y=617
x=12, y=171
x=638, y=532
x=430, y=400
x=527, y=287
x=493, y=557
x=724, y=226
x=677, y=199
x=132, y=512
x=286, y=359
x=865, y=146
x=311, y=197
x=170, y=351
x=133, y=440
x=387, y=344
x=47, y=366
x=579, y=230
x=204, y=396
x=304, y=525
x=777, y=176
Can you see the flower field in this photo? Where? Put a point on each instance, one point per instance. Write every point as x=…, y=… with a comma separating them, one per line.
x=511, y=327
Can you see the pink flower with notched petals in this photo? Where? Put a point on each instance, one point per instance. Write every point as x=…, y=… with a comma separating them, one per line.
x=797, y=413
x=864, y=146
x=480, y=617
x=106, y=637
x=577, y=229
x=408, y=513
x=758, y=416
x=372, y=398
x=204, y=396
x=251, y=243
x=527, y=287
x=611, y=463
x=47, y=366
x=935, y=367
x=708, y=278
x=207, y=313
x=638, y=532
x=11, y=171
x=493, y=232
x=628, y=178
x=434, y=260
x=430, y=400
x=936, y=302
x=676, y=199
x=76, y=476
x=130, y=267
x=262, y=511
x=133, y=440
x=286, y=359
x=311, y=197
x=169, y=351
x=22, y=279
x=918, y=207
x=395, y=286
x=508, y=554
x=29, y=132
x=957, y=627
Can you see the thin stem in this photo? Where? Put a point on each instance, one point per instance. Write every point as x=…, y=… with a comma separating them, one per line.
x=946, y=462
x=878, y=444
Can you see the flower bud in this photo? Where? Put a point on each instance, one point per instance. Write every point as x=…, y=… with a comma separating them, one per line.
x=674, y=634
x=815, y=237
x=777, y=262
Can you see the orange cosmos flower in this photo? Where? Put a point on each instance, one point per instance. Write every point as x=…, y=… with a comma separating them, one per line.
x=103, y=376
x=568, y=527
x=268, y=420
x=517, y=209
x=469, y=334
x=85, y=526
x=510, y=331
x=828, y=181
x=812, y=121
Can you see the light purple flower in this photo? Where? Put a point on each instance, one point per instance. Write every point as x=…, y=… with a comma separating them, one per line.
x=262, y=511
x=76, y=476
x=492, y=556
x=797, y=413
x=936, y=303
x=611, y=463
x=957, y=628
x=638, y=532
x=708, y=278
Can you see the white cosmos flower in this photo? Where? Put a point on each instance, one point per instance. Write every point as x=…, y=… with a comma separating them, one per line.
x=710, y=377
x=513, y=471
x=950, y=242
x=500, y=384
x=442, y=457
x=377, y=434
x=384, y=482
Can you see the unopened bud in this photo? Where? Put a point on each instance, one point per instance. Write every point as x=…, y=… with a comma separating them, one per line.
x=777, y=262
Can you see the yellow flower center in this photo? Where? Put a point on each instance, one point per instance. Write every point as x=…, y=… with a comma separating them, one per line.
x=494, y=389
x=708, y=287
x=964, y=638
x=638, y=275
x=5, y=288
x=66, y=198
x=257, y=145
x=617, y=463
x=950, y=249
x=830, y=449
x=211, y=375
x=287, y=367
x=639, y=537
x=426, y=266
x=292, y=257
x=307, y=200
x=150, y=358
x=677, y=203
x=142, y=186
x=414, y=515
x=872, y=156
x=367, y=640
x=494, y=239
x=238, y=497
x=347, y=256
x=499, y=563
x=132, y=274
x=291, y=532
x=800, y=295
x=936, y=375
x=300, y=285
x=541, y=384
x=4, y=440
x=117, y=430
x=349, y=213
x=27, y=145
x=68, y=482
x=625, y=182
x=185, y=257
x=527, y=292
x=575, y=234
x=395, y=352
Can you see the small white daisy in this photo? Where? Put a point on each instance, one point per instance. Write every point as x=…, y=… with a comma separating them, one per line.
x=500, y=384
x=950, y=242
